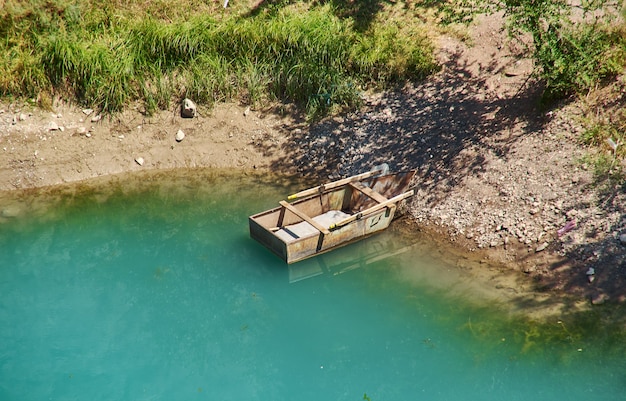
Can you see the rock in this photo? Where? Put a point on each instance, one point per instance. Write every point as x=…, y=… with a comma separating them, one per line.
x=87, y=111
x=97, y=118
x=180, y=135
x=52, y=126
x=188, y=109
x=541, y=247
x=139, y=161
x=591, y=271
x=81, y=130
x=22, y=117
x=246, y=112
x=622, y=239
x=10, y=212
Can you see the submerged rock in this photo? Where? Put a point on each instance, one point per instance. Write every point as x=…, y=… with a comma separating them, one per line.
x=10, y=211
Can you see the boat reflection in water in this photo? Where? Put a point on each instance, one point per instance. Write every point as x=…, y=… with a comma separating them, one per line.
x=354, y=256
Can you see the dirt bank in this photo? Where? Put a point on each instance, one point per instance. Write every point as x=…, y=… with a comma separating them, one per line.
x=496, y=176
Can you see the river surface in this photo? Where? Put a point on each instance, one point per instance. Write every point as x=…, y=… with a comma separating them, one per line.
x=149, y=288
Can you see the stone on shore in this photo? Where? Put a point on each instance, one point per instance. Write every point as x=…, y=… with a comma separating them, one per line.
x=139, y=161
x=180, y=135
x=188, y=109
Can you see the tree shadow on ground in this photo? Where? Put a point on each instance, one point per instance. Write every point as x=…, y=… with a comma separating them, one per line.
x=441, y=127
x=447, y=128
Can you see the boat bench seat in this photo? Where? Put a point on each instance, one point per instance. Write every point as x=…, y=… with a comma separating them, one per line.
x=303, y=229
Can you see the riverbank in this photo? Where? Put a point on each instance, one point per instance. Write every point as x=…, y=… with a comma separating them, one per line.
x=497, y=177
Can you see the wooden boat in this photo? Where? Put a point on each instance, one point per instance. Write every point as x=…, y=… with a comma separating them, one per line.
x=331, y=215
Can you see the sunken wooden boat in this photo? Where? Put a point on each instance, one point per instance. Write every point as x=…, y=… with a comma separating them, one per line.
x=332, y=215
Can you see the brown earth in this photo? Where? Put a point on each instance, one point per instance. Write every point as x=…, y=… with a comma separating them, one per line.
x=497, y=177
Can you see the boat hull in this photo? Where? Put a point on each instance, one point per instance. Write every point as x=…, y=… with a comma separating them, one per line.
x=340, y=216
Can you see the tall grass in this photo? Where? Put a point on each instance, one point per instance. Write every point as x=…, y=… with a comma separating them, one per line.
x=105, y=56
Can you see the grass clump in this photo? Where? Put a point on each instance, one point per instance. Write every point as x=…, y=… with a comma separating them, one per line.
x=107, y=54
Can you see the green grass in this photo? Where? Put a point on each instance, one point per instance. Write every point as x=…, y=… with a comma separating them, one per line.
x=107, y=54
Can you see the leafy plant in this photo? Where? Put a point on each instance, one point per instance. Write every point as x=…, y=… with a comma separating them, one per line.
x=575, y=48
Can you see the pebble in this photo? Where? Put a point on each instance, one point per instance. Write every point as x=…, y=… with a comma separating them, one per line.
x=622, y=239
x=180, y=135
x=188, y=109
x=541, y=247
x=139, y=161
x=52, y=126
x=97, y=118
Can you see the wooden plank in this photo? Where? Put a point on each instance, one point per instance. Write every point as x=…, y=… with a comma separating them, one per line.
x=368, y=191
x=372, y=209
x=334, y=184
x=304, y=217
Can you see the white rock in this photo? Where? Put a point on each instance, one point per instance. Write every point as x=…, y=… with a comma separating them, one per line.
x=97, y=118
x=52, y=126
x=139, y=161
x=591, y=271
x=180, y=135
x=188, y=109
x=81, y=130
x=87, y=111
x=23, y=117
x=246, y=111
x=541, y=247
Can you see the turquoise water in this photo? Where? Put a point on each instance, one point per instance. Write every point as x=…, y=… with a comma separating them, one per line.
x=152, y=290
